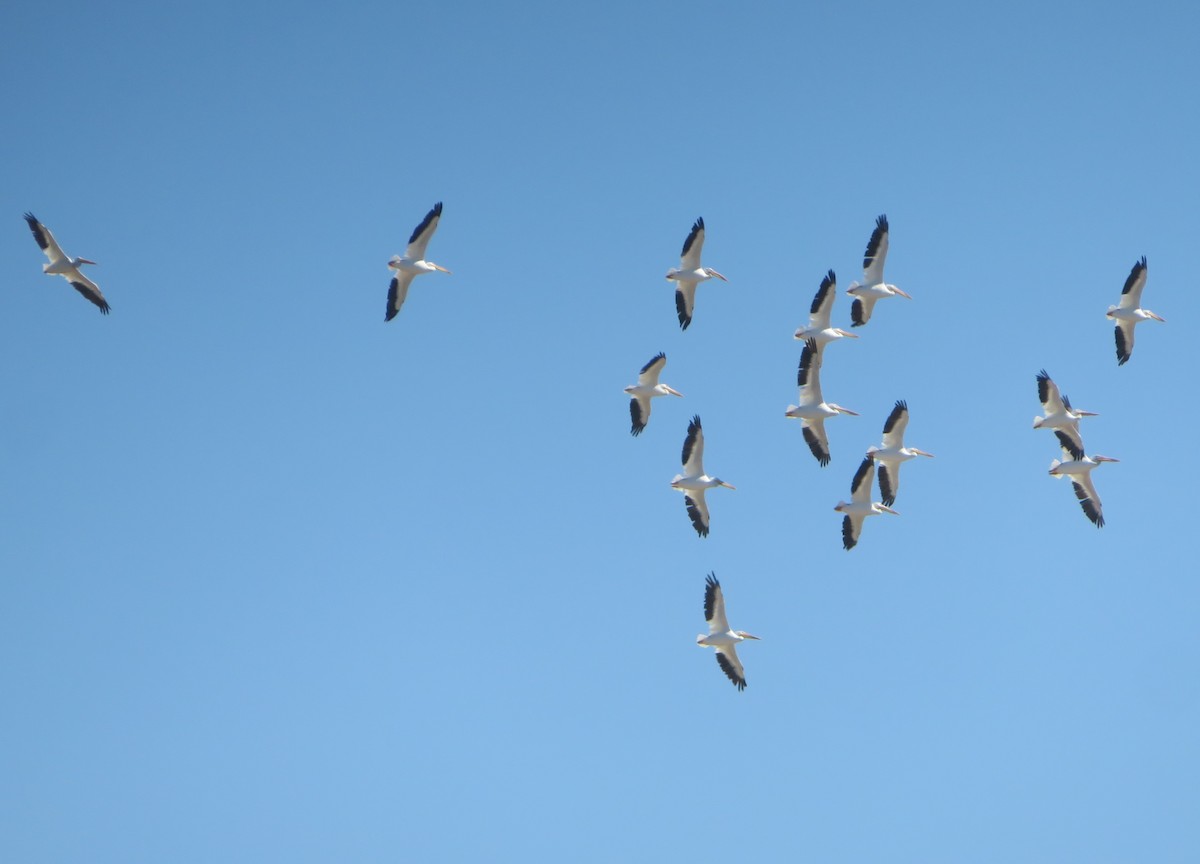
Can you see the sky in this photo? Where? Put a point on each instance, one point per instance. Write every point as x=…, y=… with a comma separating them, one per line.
x=280, y=581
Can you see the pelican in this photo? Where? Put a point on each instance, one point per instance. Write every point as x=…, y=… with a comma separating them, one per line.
x=1080, y=472
x=412, y=262
x=62, y=264
x=813, y=410
x=892, y=452
x=693, y=481
x=645, y=390
x=1129, y=313
x=873, y=287
x=818, y=316
x=720, y=636
x=860, y=506
x=690, y=274
x=1060, y=416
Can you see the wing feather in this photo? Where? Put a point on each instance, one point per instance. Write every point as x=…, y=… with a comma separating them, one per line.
x=689, y=258
x=421, y=234
x=648, y=377
x=728, y=660
x=397, y=293
x=876, y=254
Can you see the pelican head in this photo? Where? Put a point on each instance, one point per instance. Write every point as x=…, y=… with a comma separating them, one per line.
x=1155, y=317
x=841, y=410
x=671, y=390
x=1098, y=458
x=78, y=261
x=899, y=291
x=1080, y=413
x=711, y=272
x=745, y=635
x=883, y=508
x=919, y=452
x=845, y=333
x=719, y=482
x=437, y=267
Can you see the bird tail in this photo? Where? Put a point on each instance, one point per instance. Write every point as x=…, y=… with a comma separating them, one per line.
x=853, y=285
x=791, y=408
x=1054, y=464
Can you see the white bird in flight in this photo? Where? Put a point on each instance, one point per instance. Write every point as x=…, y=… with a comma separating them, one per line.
x=646, y=389
x=813, y=410
x=873, y=287
x=693, y=482
x=720, y=636
x=1060, y=416
x=819, y=316
x=860, y=506
x=62, y=264
x=412, y=263
x=1080, y=472
x=689, y=274
x=1129, y=312
x=892, y=452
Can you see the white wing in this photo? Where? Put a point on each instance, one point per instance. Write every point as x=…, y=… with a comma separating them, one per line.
x=88, y=289
x=864, y=478
x=45, y=239
x=889, y=481
x=822, y=306
x=1048, y=395
x=697, y=510
x=421, y=234
x=1131, y=293
x=876, y=255
x=728, y=660
x=818, y=442
x=685, y=302
x=714, y=605
x=689, y=259
x=648, y=377
x=693, y=449
x=894, y=426
x=808, y=375
x=397, y=292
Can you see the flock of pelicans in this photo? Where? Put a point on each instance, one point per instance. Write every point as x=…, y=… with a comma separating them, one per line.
x=812, y=410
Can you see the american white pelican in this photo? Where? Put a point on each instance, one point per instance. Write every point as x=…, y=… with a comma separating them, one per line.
x=720, y=636
x=872, y=287
x=62, y=264
x=860, y=506
x=645, y=390
x=693, y=481
x=1080, y=472
x=818, y=316
x=1060, y=416
x=1129, y=313
x=892, y=452
x=813, y=410
x=412, y=262
x=690, y=274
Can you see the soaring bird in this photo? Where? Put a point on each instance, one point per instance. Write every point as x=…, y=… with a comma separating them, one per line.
x=892, y=452
x=1128, y=313
x=1080, y=472
x=872, y=287
x=860, y=506
x=412, y=262
x=1060, y=416
x=693, y=482
x=720, y=636
x=690, y=274
x=62, y=264
x=646, y=389
x=813, y=410
x=819, y=314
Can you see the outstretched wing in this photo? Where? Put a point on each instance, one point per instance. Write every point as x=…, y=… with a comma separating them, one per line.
x=697, y=510
x=397, y=292
x=876, y=254
x=421, y=234
x=728, y=660
x=690, y=257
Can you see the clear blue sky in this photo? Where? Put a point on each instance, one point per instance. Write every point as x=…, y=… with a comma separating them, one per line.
x=283, y=582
